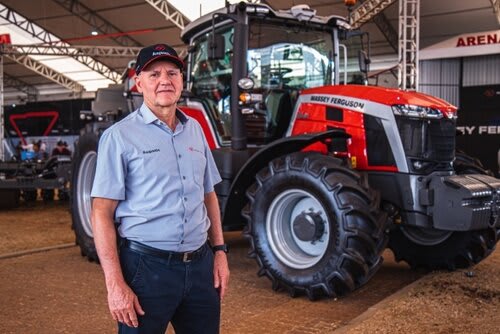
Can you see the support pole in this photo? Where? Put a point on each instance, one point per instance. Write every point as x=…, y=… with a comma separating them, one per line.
x=2, y=125
x=409, y=30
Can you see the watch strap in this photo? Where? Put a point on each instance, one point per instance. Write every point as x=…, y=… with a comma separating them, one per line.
x=223, y=247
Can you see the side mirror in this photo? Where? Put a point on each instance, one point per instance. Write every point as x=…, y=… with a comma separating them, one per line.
x=364, y=61
x=216, y=47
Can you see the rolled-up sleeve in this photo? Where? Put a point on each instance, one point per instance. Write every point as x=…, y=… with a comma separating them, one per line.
x=109, y=180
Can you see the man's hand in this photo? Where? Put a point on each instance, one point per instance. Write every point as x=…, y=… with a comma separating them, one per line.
x=123, y=304
x=221, y=273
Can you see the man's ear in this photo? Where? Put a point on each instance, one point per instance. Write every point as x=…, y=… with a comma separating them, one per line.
x=138, y=83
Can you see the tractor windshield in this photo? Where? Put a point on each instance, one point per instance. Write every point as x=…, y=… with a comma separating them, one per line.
x=289, y=57
x=282, y=59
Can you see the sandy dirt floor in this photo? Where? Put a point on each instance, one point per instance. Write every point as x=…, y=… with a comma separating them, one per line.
x=58, y=291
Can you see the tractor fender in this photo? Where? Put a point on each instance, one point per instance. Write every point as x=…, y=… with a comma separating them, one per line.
x=232, y=218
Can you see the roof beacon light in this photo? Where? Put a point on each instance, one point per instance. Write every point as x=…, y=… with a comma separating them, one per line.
x=303, y=12
x=350, y=3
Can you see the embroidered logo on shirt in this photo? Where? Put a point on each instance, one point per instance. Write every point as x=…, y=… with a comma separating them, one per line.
x=151, y=151
x=192, y=149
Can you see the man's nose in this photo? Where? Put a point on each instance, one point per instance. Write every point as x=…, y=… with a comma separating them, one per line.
x=165, y=78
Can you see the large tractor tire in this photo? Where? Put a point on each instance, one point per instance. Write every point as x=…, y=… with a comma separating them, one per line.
x=84, y=164
x=437, y=249
x=465, y=164
x=9, y=199
x=314, y=225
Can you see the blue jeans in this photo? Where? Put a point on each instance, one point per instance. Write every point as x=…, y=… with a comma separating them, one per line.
x=173, y=291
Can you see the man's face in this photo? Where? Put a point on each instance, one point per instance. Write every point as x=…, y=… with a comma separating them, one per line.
x=160, y=84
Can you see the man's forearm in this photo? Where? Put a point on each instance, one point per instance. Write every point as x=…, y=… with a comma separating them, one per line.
x=215, y=231
x=105, y=241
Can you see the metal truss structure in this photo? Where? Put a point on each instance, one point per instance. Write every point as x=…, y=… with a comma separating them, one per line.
x=30, y=91
x=46, y=72
x=368, y=10
x=170, y=12
x=46, y=37
x=385, y=27
x=95, y=20
x=496, y=8
x=409, y=30
x=71, y=50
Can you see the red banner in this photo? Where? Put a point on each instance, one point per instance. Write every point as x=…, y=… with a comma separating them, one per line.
x=5, y=39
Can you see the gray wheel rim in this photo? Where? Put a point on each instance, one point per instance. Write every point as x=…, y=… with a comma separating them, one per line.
x=425, y=236
x=86, y=174
x=285, y=245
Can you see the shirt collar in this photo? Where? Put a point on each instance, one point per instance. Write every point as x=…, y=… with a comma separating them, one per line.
x=149, y=117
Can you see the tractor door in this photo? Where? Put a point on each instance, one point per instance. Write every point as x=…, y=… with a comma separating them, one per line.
x=210, y=80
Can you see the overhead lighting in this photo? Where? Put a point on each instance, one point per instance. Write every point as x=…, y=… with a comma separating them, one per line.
x=94, y=33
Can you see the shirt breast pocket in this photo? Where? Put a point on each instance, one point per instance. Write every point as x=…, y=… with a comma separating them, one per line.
x=199, y=163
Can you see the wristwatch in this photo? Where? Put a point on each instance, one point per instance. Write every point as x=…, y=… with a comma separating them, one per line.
x=223, y=247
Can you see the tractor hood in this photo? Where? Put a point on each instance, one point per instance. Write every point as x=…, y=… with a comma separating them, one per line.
x=387, y=96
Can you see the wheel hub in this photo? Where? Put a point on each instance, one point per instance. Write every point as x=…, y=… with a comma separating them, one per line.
x=297, y=228
x=308, y=226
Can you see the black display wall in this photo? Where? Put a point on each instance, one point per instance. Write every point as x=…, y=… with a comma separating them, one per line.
x=40, y=114
x=479, y=124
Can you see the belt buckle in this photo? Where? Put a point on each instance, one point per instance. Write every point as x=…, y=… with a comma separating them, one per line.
x=185, y=257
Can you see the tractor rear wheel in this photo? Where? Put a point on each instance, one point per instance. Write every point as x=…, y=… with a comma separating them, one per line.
x=436, y=249
x=84, y=165
x=314, y=225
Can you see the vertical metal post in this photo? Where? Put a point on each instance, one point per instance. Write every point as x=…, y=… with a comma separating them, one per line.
x=2, y=125
x=240, y=49
x=408, y=46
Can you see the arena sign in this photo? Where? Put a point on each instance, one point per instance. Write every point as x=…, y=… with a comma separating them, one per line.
x=466, y=45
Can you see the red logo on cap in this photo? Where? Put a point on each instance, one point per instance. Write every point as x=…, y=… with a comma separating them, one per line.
x=160, y=47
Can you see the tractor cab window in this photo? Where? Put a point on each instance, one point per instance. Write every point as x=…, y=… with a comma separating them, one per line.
x=211, y=79
x=291, y=58
x=352, y=46
x=283, y=60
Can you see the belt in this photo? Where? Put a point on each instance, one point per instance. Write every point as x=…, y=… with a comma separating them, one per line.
x=168, y=255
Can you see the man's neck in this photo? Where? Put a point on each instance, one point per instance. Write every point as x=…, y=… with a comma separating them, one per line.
x=166, y=115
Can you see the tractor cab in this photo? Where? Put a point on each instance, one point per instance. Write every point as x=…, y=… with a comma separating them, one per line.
x=254, y=61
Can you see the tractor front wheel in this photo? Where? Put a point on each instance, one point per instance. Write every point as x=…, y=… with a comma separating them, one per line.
x=314, y=225
x=436, y=249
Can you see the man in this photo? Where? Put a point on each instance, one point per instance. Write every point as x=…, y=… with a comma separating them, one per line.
x=155, y=175
x=61, y=149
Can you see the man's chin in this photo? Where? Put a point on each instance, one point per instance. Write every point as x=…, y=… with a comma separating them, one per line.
x=165, y=103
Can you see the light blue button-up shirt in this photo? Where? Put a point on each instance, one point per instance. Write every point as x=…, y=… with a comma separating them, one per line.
x=160, y=178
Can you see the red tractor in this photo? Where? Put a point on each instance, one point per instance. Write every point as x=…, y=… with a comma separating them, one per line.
x=321, y=172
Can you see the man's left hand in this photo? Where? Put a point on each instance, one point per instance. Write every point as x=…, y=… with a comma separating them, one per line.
x=221, y=273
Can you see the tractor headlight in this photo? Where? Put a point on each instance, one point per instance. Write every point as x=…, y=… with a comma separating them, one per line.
x=416, y=111
x=245, y=83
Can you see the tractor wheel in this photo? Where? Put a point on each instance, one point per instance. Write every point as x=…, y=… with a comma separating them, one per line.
x=9, y=199
x=465, y=164
x=314, y=225
x=437, y=249
x=84, y=164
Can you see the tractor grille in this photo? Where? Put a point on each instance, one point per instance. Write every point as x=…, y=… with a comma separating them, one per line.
x=428, y=140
